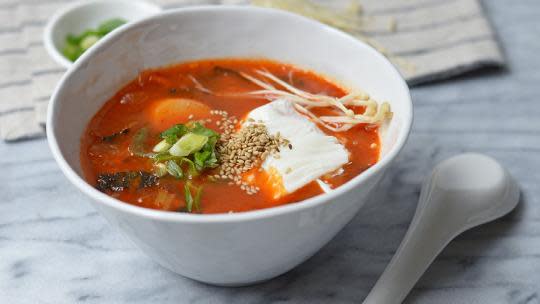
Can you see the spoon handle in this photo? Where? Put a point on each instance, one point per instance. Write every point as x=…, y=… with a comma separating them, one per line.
x=428, y=234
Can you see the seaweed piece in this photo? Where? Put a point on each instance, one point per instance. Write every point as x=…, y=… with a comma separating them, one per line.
x=147, y=179
x=120, y=181
x=112, y=137
x=114, y=181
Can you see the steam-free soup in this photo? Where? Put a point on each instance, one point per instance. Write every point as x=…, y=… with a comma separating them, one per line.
x=229, y=135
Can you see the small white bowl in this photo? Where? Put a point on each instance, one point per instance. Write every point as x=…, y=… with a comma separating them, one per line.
x=80, y=16
x=239, y=248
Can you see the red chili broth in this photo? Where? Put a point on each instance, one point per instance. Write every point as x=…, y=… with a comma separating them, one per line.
x=129, y=108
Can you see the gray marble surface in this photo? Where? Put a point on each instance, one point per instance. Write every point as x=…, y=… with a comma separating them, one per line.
x=55, y=248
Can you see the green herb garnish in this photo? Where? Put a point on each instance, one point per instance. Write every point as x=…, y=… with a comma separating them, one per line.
x=162, y=146
x=185, y=151
x=198, y=128
x=191, y=144
x=137, y=145
x=76, y=45
x=160, y=169
x=110, y=25
x=188, y=197
x=197, y=199
x=174, y=169
x=192, y=201
x=206, y=157
x=173, y=134
x=188, y=144
x=192, y=169
x=201, y=158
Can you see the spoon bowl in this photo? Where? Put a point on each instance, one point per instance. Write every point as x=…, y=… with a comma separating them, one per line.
x=462, y=192
x=470, y=189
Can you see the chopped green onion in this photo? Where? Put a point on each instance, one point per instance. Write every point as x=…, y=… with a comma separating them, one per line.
x=163, y=156
x=137, y=145
x=162, y=146
x=72, y=51
x=188, y=144
x=174, y=169
x=110, y=25
x=188, y=197
x=192, y=201
x=192, y=147
x=192, y=169
x=198, y=128
x=160, y=169
x=72, y=39
x=76, y=45
x=201, y=157
x=87, y=33
x=88, y=41
x=173, y=134
x=197, y=199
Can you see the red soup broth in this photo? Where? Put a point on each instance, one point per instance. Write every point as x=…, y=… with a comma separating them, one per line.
x=143, y=103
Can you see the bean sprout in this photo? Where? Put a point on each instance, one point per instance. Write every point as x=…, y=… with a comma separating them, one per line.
x=303, y=101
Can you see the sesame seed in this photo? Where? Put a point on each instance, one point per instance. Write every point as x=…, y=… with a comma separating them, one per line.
x=241, y=151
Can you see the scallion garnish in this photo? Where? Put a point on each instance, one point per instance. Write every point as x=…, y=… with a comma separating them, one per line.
x=174, y=169
x=197, y=199
x=184, y=152
x=160, y=169
x=188, y=144
x=162, y=146
x=174, y=133
x=137, y=145
x=188, y=197
x=76, y=45
x=192, y=201
x=192, y=145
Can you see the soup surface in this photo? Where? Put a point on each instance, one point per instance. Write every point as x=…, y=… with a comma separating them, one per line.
x=120, y=144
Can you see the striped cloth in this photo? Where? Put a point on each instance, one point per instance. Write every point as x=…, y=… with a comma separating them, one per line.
x=433, y=39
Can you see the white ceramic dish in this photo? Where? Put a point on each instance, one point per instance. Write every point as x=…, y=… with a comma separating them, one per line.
x=226, y=249
x=83, y=15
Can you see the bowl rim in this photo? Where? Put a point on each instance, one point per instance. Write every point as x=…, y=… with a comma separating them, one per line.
x=168, y=216
x=64, y=11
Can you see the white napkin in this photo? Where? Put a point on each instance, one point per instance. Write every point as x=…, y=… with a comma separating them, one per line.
x=428, y=40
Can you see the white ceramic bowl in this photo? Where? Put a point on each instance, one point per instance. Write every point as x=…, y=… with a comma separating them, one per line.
x=241, y=248
x=83, y=15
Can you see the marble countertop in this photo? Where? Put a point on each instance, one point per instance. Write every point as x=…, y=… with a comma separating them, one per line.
x=55, y=248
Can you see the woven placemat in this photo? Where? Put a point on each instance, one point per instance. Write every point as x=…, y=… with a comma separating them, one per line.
x=426, y=39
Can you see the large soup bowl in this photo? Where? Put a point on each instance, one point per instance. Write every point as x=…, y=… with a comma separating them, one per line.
x=240, y=248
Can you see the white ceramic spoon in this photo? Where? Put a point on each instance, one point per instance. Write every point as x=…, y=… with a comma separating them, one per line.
x=464, y=191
